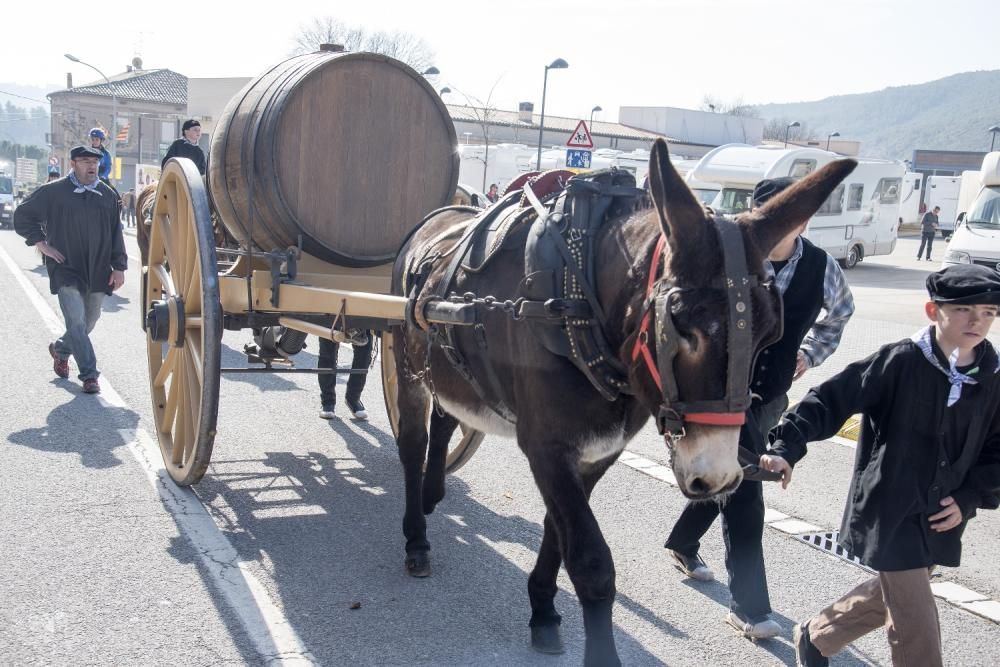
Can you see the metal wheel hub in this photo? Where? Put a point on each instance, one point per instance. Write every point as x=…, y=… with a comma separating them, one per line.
x=165, y=321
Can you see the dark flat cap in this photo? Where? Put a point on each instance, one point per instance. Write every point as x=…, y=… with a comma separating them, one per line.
x=965, y=284
x=188, y=124
x=770, y=187
x=85, y=151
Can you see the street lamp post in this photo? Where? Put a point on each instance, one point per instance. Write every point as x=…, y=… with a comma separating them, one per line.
x=114, y=107
x=993, y=130
x=444, y=91
x=596, y=108
x=832, y=134
x=558, y=63
x=794, y=123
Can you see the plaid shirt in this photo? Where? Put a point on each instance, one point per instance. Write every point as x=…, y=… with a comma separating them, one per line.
x=824, y=336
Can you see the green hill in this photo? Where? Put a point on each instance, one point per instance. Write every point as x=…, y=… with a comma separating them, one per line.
x=950, y=113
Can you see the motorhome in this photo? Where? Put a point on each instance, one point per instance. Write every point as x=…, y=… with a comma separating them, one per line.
x=910, y=209
x=967, y=191
x=943, y=191
x=977, y=237
x=502, y=164
x=6, y=201
x=859, y=219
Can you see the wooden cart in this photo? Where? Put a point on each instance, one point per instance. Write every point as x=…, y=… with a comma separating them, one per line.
x=327, y=161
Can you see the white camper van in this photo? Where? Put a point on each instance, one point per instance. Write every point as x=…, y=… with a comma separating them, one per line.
x=913, y=195
x=504, y=163
x=858, y=220
x=943, y=191
x=977, y=237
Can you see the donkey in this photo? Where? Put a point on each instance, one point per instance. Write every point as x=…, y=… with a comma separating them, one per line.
x=569, y=433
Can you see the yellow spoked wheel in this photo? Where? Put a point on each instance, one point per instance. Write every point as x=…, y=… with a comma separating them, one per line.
x=470, y=439
x=183, y=322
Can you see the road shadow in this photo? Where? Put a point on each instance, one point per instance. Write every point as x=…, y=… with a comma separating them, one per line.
x=327, y=528
x=233, y=358
x=84, y=426
x=114, y=303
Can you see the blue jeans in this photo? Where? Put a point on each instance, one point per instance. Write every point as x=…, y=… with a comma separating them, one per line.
x=81, y=314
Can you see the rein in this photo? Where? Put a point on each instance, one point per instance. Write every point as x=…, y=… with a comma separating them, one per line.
x=730, y=410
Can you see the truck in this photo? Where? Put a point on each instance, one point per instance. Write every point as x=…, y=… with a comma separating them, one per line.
x=859, y=219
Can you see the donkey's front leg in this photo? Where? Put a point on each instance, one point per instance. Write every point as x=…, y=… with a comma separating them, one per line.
x=542, y=588
x=584, y=551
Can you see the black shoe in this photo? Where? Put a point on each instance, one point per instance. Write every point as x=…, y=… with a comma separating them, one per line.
x=357, y=409
x=806, y=653
x=692, y=566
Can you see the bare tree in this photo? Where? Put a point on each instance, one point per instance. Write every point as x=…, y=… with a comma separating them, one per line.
x=485, y=114
x=775, y=130
x=733, y=107
x=404, y=46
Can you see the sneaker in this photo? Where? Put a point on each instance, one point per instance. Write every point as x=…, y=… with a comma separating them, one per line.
x=59, y=366
x=765, y=628
x=806, y=653
x=327, y=412
x=91, y=386
x=357, y=409
x=692, y=566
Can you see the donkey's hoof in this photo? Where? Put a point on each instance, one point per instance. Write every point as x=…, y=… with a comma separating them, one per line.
x=547, y=639
x=418, y=565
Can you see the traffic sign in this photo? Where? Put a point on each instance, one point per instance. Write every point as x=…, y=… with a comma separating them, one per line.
x=581, y=137
x=577, y=158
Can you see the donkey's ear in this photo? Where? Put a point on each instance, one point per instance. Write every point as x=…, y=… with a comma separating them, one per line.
x=796, y=204
x=682, y=218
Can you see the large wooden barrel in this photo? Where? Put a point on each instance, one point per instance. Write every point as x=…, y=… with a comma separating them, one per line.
x=346, y=150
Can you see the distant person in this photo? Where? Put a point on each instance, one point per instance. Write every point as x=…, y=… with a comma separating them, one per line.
x=493, y=195
x=928, y=227
x=74, y=223
x=328, y=352
x=187, y=146
x=128, y=207
x=97, y=138
x=53, y=176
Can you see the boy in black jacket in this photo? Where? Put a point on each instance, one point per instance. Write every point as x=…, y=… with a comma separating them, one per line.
x=928, y=457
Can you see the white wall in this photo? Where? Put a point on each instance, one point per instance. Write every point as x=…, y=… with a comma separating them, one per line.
x=697, y=127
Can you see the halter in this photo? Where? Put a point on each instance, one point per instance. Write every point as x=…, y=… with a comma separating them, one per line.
x=737, y=282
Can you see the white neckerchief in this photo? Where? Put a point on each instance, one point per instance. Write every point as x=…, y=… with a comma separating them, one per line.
x=80, y=187
x=923, y=339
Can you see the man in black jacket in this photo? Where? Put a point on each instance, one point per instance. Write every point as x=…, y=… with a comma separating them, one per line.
x=809, y=280
x=928, y=457
x=74, y=223
x=188, y=146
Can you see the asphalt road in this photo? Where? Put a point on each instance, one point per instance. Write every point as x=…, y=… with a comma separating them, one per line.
x=299, y=556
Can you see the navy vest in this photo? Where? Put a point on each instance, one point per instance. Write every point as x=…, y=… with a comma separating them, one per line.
x=802, y=302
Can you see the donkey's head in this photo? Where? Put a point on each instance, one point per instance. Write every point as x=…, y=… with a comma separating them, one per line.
x=699, y=406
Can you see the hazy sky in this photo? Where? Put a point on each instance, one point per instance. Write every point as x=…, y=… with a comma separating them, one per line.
x=621, y=52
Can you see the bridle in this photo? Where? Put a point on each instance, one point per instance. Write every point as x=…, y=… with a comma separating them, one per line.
x=737, y=283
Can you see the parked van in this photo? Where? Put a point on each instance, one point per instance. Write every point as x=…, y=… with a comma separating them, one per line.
x=977, y=237
x=859, y=219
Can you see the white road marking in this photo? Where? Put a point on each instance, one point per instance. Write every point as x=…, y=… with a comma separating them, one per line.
x=959, y=596
x=264, y=622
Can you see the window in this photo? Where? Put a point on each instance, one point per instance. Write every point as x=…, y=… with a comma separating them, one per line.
x=887, y=191
x=732, y=201
x=802, y=168
x=855, y=195
x=834, y=204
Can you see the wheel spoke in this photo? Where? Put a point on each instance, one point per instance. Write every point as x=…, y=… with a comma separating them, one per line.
x=193, y=404
x=166, y=368
x=164, y=278
x=193, y=343
x=180, y=425
x=173, y=397
x=194, y=364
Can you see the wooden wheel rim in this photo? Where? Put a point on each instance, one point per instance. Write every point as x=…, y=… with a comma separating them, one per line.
x=470, y=439
x=184, y=379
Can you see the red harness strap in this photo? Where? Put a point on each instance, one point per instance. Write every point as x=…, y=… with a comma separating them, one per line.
x=641, y=348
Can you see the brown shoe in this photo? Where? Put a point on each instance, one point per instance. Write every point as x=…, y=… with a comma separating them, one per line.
x=59, y=366
x=91, y=386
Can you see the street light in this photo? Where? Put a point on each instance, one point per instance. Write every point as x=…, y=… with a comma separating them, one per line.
x=114, y=107
x=558, y=63
x=794, y=123
x=444, y=91
x=834, y=134
x=431, y=71
x=597, y=108
x=994, y=130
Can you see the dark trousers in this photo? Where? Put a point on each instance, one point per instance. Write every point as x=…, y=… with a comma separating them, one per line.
x=742, y=526
x=926, y=238
x=328, y=352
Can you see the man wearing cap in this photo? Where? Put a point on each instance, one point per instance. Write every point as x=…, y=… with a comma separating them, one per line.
x=928, y=458
x=809, y=280
x=74, y=223
x=188, y=146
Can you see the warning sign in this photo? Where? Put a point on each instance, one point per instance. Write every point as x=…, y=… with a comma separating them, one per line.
x=581, y=137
